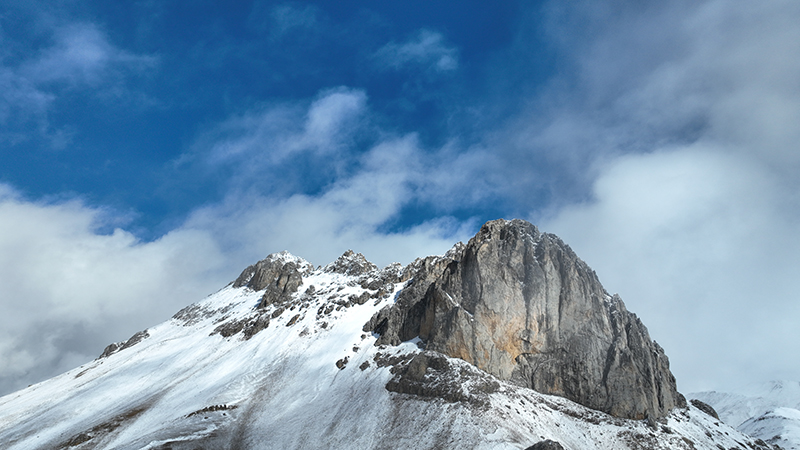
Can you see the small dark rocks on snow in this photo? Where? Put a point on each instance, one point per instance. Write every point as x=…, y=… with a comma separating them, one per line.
x=705, y=407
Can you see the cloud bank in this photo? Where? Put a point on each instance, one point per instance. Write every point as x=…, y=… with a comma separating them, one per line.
x=694, y=205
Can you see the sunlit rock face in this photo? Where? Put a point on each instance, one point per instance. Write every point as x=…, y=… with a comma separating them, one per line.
x=522, y=306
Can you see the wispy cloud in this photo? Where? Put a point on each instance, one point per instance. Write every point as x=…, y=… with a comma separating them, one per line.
x=281, y=21
x=426, y=49
x=286, y=18
x=348, y=214
x=81, y=54
x=273, y=145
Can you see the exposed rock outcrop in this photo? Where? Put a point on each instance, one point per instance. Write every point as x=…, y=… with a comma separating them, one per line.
x=705, y=407
x=280, y=274
x=546, y=445
x=115, y=347
x=431, y=375
x=522, y=306
x=351, y=263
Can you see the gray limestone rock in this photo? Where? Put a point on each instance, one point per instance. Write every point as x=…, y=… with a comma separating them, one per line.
x=351, y=263
x=522, y=306
x=431, y=375
x=275, y=275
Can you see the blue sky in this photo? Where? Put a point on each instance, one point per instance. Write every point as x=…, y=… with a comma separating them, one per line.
x=151, y=150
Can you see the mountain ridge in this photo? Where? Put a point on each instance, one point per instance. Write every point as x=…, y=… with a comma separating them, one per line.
x=289, y=365
x=769, y=411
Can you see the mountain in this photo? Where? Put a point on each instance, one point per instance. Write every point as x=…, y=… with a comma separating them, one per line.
x=507, y=342
x=769, y=411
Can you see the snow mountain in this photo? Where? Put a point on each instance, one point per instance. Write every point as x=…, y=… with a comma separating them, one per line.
x=769, y=411
x=507, y=342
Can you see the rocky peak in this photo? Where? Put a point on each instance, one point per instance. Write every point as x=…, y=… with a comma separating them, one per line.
x=351, y=263
x=522, y=306
x=279, y=275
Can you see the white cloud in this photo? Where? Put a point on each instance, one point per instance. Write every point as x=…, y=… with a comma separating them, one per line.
x=683, y=120
x=65, y=289
x=699, y=244
x=286, y=18
x=262, y=138
x=347, y=215
x=427, y=49
x=81, y=54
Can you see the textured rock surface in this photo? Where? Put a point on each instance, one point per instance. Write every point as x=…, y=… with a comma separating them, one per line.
x=546, y=445
x=430, y=375
x=351, y=263
x=278, y=273
x=705, y=407
x=522, y=306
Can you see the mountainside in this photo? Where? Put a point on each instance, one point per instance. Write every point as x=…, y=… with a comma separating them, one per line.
x=459, y=350
x=770, y=411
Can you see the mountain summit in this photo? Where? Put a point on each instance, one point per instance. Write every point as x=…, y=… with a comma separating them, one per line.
x=520, y=305
x=506, y=342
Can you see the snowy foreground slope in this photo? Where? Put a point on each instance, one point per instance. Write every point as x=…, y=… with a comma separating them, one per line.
x=769, y=411
x=225, y=373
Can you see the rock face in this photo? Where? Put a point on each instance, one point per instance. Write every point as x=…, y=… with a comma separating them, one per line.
x=278, y=273
x=522, y=306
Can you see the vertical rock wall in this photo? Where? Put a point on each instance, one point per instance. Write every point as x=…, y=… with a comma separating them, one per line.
x=522, y=306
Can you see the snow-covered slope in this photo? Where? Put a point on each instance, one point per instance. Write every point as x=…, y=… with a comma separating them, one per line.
x=769, y=411
x=225, y=374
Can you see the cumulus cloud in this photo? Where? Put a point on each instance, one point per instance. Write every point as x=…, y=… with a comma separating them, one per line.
x=698, y=243
x=682, y=122
x=426, y=49
x=67, y=289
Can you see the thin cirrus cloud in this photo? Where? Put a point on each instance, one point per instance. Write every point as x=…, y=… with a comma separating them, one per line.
x=370, y=185
x=426, y=49
x=286, y=18
x=81, y=54
x=271, y=134
x=280, y=21
x=349, y=214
